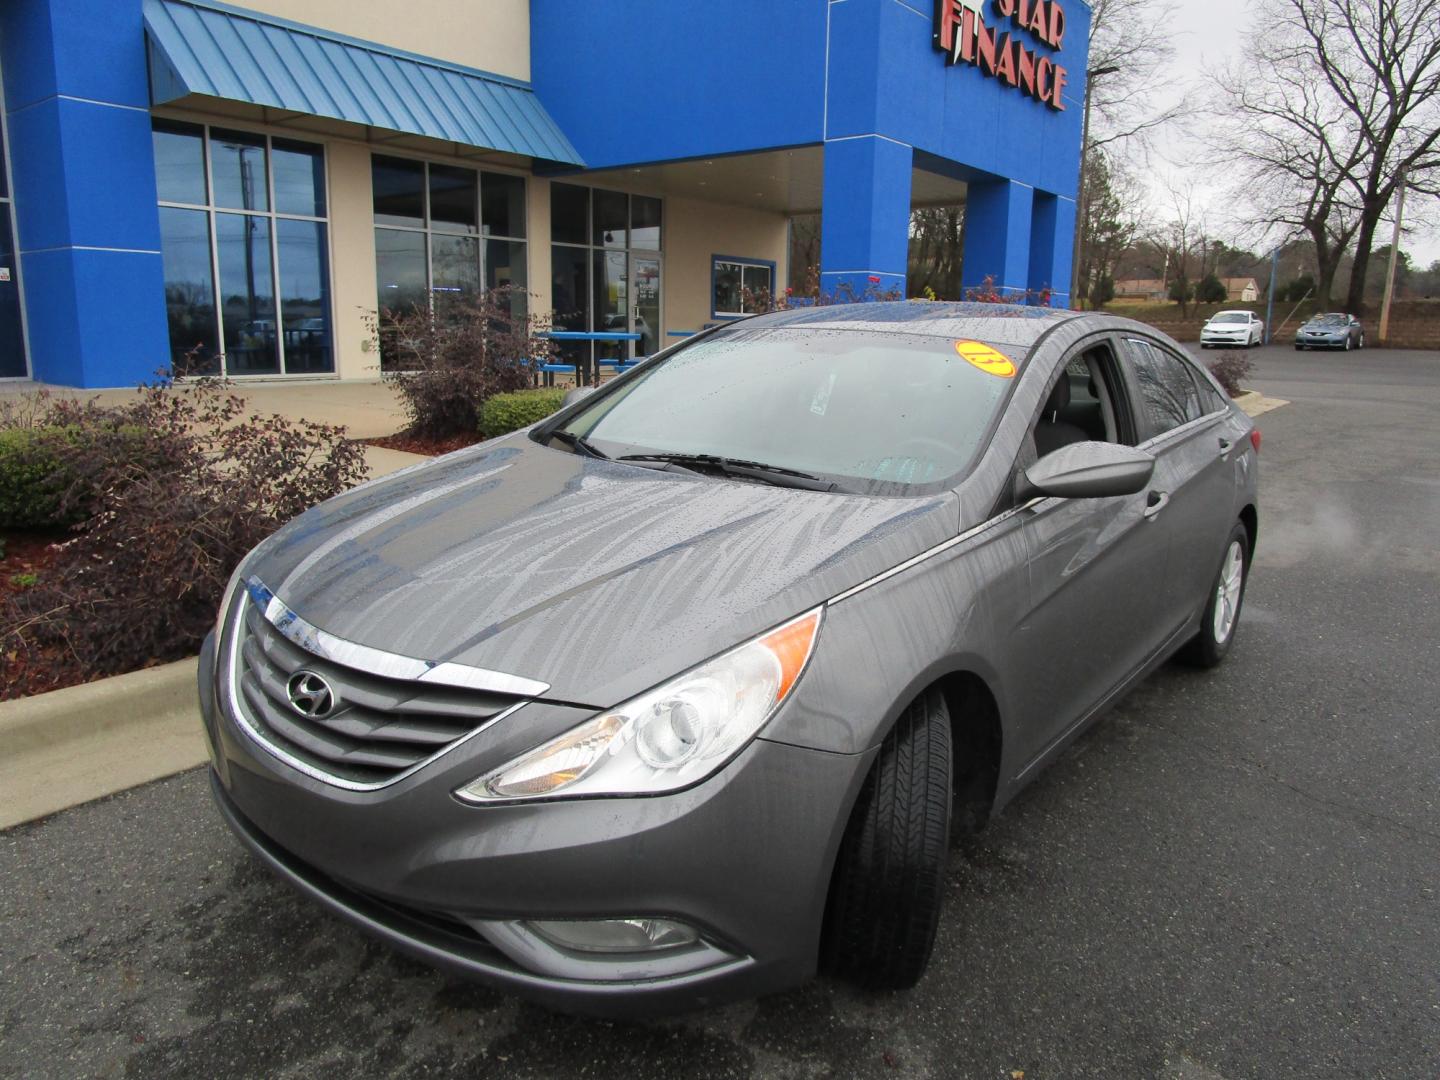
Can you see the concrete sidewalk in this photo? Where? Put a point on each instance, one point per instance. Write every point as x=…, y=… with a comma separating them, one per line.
x=368, y=408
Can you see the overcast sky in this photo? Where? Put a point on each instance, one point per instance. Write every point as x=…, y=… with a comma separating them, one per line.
x=1210, y=33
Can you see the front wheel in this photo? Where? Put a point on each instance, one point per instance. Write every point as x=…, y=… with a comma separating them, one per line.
x=1347, y=342
x=889, y=879
x=1222, y=610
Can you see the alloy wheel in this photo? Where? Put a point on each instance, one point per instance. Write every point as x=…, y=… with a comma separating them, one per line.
x=1227, y=592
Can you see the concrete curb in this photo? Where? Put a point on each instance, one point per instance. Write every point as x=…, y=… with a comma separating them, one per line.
x=1253, y=403
x=69, y=746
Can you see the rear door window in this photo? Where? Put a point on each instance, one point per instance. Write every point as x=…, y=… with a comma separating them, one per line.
x=1168, y=394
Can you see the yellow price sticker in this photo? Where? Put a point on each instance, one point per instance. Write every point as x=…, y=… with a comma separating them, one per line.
x=986, y=359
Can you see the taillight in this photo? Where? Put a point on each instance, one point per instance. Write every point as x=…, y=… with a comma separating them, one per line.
x=1255, y=439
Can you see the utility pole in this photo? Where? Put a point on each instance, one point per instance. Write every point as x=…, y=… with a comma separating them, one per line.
x=1090, y=75
x=1394, y=262
x=1270, y=297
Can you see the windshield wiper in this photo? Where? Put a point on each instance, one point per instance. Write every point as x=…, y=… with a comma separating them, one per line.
x=751, y=470
x=576, y=442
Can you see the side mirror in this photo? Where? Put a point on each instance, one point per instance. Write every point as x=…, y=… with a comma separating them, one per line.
x=574, y=395
x=1089, y=470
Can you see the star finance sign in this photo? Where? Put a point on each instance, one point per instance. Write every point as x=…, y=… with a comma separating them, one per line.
x=964, y=36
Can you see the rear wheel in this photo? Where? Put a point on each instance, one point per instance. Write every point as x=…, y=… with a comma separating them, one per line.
x=1222, y=610
x=886, y=893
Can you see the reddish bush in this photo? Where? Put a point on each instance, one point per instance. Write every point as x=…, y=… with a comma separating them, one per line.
x=174, y=487
x=447, y=360
x=1230, y=369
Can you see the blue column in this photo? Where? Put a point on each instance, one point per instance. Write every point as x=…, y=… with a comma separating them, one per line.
x=997, y=237
x=865, y=220
x=1052, y=238
x=77, y=104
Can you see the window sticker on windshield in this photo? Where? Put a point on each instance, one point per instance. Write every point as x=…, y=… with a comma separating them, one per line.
x=986, y=359
x=821, y=401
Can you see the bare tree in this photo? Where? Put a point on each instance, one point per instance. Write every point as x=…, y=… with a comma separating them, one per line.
x=1341, y=99
x=1181, y=238
x=1130, y=41
x=937, y=242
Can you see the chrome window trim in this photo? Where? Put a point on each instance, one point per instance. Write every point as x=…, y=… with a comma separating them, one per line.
x=231, y=675
x=929, y=553
x=378, y=662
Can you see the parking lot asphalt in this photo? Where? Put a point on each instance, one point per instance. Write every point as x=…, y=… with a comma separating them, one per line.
x=1234, y=874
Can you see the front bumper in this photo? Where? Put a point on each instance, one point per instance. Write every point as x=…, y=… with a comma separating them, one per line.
x=745, y=857
x=1320, y=342
x=1210, y=338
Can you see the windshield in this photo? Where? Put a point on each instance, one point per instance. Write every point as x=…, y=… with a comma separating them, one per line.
x=1231, y=316
x=1331, y=320
x=870, y=411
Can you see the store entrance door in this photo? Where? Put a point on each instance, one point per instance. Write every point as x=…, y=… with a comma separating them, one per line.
x=627, y=301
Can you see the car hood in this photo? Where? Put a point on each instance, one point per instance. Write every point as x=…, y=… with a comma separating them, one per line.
x=598, y=578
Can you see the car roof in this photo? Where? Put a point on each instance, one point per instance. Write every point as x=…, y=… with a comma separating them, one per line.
x=1016, y=325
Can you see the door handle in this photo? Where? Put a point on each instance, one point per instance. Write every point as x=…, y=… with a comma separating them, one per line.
x=1155, y=502
x=1225, y=445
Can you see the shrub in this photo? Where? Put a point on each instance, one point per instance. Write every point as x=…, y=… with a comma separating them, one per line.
x=174, y=487
x=447, y=360
x=1211, y=290
x=35, y=477
x=504, y=413
x=1230, y=369
x=31, y=480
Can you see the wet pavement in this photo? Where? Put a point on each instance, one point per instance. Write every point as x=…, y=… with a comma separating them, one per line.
x=1235, y=874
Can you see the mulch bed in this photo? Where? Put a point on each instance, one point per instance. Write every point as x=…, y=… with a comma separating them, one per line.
x=415, y=444
x=31, y=556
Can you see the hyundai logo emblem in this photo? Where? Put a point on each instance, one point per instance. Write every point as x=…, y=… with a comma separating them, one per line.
x=310, y=695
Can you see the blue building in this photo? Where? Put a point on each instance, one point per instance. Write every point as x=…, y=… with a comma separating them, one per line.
x=243, y=187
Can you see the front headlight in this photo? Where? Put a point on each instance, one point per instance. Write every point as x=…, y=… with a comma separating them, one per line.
x=667, y=738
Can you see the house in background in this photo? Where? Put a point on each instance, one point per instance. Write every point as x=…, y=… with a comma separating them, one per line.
x=1148, y=289
x=1241, y=290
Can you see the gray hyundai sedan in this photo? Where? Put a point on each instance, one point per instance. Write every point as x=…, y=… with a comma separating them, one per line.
x=678, y=696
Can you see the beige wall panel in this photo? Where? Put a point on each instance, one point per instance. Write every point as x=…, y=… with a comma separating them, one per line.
x=694, y=232
x=493, y=35
x=537, y=230
x=352, y=272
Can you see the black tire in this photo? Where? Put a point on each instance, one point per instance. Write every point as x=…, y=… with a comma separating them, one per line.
x=1206, y=649
x=888, y=886
x=1347, y=342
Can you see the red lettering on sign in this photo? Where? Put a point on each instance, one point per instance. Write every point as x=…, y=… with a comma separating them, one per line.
x=1025, y=70
x=1057, y=26
x=1057, y=97
x=950, y=17
x=1005, y=59
x=967, y=37
x=1006, y=8
x=985, y=48
x=1038, y=22
x=1044, y=68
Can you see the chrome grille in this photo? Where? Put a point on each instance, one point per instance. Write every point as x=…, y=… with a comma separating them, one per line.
x=379, y=727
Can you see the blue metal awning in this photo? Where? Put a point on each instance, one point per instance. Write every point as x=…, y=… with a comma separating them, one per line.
x=199, y=47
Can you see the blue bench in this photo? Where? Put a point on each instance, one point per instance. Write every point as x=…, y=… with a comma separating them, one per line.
x=549, y=371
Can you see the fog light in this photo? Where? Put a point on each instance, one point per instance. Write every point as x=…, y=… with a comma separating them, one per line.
x=616, y=935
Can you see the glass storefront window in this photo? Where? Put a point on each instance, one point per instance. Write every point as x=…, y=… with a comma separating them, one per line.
x=12, y=327
x=226, y=308
x=299, y=179
x=400, y=270
x=179, y=163
x=242, y=250
x=733, y=279
x=452, y=199
x=503, y=209
x=427, y=217
x=606, y=271
x=189, y=291
x=237, y=163
x=399, y=191
x=304, y=294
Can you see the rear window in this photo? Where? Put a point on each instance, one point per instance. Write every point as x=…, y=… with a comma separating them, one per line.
x=1170, y=394
x=873, y=412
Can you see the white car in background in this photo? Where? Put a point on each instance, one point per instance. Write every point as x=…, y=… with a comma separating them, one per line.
x=1243, y=328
